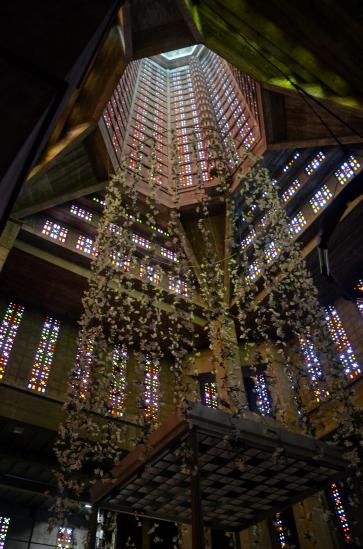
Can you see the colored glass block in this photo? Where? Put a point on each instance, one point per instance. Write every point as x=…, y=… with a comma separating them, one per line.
x=290, y=162
x=64, y=538
x=341, y=513
x=315, y=163
x=55, y=231
x=118, y=381
x=80, y=212
x=82, y=370
x=281, y=531
x=320, y=198
x=291, y=190
x=169, y=254
x=151, y=389
x=297, y=223
x=4, y=527
x=210, y=395
x=8, y=330
x=263, y=398
x=313, y=368
x=44, y=355
x=342, y=343
x=347, y=169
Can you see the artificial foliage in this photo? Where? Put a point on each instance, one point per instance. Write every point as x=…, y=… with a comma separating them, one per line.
x=264, y=312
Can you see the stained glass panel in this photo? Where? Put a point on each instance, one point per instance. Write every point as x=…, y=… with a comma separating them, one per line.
x=44, y=355
x=210, y=394
x=344, y=348
x=118, y=381
x=55, y=231
x=151, y=389
x=64, y=538
x=320, y=198
x=4, y=527
x=340, y=512
x=346, y=170
x=8, y=330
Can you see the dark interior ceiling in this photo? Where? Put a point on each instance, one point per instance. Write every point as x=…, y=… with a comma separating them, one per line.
x=316, y=45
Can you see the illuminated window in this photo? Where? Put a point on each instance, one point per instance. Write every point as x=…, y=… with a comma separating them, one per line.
x=64, y=538
x=210, y=395
x=44, y=355
x=291, y=190
x=360, y=301
x=82, y=371
x=141, y=241
x=263, y=399
x=254, y=271
x=85, y=245
x=340, y=512
x=55, y=231
x=169, y=254
x=80, y=212
x=151, y=389
x=344, y=348
x=346, y=170
x=150, y=273
x=272, y=251
x=247, y=241
x=99, y=200
x=297, y=223
x=120, y=261
x=178, y=286
x=313, y=368
x=118, y=381
x=8, y=330
x=320, y=198
x=315, y=163
x=291, y=162
x=281, y=531
x=4, y=527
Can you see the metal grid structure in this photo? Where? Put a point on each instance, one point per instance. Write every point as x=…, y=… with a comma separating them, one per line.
x=249, y=468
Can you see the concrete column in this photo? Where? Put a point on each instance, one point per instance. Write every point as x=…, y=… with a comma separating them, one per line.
x=7, y=240
x=313, y=530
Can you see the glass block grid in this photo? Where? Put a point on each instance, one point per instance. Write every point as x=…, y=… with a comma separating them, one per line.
x=210, y=395
x=313, y=368
x=272, y=251
x=151, y=389
x=82, y=371
x=80, y=212
x=8, y=330
x=290, y=162
x=55, y=231
x=141, y=241
x=150, y=274
x=4, y=527
x=281, y=531
x=263, y=397
x=169, y=254
x=44, y=355
x=346, y=170
x=315, y=163
x=178, y=286
x=291, y=190
x=253, y=272
x=320, y=198
x=118, y=381
x=247, y=241
x=360, y=301
x=340, y=512
x=64, y=538
x=120, y=261
x=297, y=223
x=342, y=343
x=85, y=244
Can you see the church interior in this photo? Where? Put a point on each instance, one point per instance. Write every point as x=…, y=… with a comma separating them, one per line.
x=181, y=275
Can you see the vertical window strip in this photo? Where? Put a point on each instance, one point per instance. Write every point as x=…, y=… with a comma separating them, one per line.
x=4, y=527
x=340, y=512
x=8, y=330
x=313, y=368
x=210, y=394
x=118, y=381
x=342, y=343
x=263, y=398
x=151, y=389
x=359, y=287
x=64, y=538
x=82, y=371
x=281, y=531
x=44, y=355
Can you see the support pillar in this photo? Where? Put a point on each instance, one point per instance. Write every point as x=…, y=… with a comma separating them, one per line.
x=313, y=531
x=7, y=240
x=196, y=494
